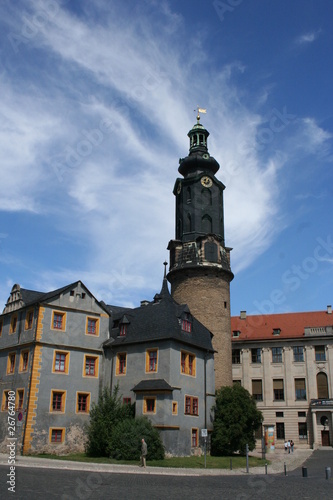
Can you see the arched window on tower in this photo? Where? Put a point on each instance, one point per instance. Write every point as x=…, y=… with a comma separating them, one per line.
x=188, y=223
x=322, y=385
x=206, y=224
x=206, y=197
x=188, y=195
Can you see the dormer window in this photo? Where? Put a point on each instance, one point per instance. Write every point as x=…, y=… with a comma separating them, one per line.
x=186, y=323
x=122, y=329
x=236, y=333
x=276, y=331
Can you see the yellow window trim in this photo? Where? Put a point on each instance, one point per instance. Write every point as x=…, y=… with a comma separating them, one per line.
x=63, y=326
x=148, y=351
x=77, y=403
x=145, y=405
x=67, y=353
x=17, y=398
x=21, y=360
x=26, y=325
x=174, y=408
x=63, y=429
x=96, y=365
x=187, y=363
x=63, y=401
x=94, y=318
x=13, y=353
x=118, y=364
x=13, y=317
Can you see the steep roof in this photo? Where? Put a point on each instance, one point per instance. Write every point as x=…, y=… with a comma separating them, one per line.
x=281, y=326
x=158, y=320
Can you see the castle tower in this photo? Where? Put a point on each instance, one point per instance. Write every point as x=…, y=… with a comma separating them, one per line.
x=200, y=273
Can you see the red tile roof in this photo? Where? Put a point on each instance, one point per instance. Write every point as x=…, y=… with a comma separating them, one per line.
x=292, y=325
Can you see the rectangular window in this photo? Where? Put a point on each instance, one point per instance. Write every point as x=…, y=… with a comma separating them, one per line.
x=57, y=435
x=280, y=430
x=195, y=438
x=236, y=356
x=277, y=354
x=24, y=358
x=187, y=363
x=320, y=353
x=301, y=414
x=298, y=354
x=121, y=363
x=186, y=323
x=279, y=414
x=149, y=405
x=278, y=390
x=90, y=366
x=174, y=408
x=58, y=321
x=13, y=324
x=29, y=319
x=58, y=399
x=300, y=390
x=122, y=329
x=191, y=405
x=61, y=362
x=11, y=363
x=83, y=402
x=19, y=399
x=92, y=326
x=5, y=400
x=151, y=360
x=127, y=401
x=257, y=390
x=256, y=355
x=302, y=430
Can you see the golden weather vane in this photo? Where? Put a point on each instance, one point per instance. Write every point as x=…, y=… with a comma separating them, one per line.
x=200, y=110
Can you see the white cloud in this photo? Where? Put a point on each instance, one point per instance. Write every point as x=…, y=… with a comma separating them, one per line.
x=95, y=140
x=309, y=37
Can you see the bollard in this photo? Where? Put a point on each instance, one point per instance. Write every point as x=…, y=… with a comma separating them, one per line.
x=285, y=469
x=266, y=469
x=328, y=472
x=304, y=472
x=230, y=463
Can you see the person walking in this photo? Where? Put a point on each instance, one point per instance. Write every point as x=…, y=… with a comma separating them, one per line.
x=288, y=445
x=144, y=451
x=292, y=446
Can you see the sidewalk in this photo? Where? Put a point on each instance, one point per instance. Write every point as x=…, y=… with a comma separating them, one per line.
x=278, y=459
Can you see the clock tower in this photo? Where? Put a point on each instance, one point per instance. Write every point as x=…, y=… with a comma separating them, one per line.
x=200, y=273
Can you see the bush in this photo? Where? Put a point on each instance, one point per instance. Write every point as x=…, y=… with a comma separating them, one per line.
x=125, y=443
x=104, y=416
x=235, y=422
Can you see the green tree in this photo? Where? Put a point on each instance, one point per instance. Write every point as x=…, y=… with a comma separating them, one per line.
x=235, y=422
x=125, y=443
x=104, y=417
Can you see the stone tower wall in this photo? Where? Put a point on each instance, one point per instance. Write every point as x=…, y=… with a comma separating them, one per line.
x=207, y=293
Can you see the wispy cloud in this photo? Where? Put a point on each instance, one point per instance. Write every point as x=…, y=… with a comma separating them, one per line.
x=307, y=38
x=93, y=125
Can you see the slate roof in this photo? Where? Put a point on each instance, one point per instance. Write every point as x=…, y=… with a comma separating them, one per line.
x=291, y=325
x=158, y=320
x=152, y=385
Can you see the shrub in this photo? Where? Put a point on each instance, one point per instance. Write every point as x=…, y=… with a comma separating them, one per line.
x=125, y=443
x=104, y=416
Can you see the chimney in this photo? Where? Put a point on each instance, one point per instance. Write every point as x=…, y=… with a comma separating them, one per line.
x=329, y=309
x=243, y=315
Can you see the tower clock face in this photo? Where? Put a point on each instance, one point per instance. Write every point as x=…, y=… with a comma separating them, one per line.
x=206, y=181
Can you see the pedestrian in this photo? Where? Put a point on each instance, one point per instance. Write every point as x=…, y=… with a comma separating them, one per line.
x=288, y=445
x=143, y=453
x=285, y=446
x=292, y=446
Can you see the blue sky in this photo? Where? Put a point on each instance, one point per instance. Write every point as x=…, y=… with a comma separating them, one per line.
x=96, y=102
